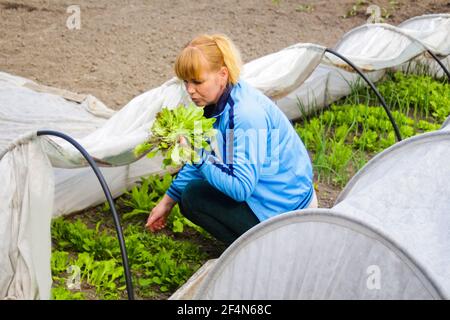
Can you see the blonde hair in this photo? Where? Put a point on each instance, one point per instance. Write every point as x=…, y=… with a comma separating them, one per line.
x=208, y=53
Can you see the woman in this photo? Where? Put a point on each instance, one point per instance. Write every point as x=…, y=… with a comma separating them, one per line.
x=260, y=167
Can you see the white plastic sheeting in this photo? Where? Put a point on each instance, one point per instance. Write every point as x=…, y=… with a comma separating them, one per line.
x=26, y=110
x=314, y=254
x=404, y=193
x=301, y=74
x=25, y=221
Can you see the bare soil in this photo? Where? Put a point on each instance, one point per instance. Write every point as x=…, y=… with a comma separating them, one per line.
x=126, y=47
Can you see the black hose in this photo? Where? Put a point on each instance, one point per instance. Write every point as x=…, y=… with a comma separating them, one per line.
x=110, y=200
x=440, y=63
x=370, y=83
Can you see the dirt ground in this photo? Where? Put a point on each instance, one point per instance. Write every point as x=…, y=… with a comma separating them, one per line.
x=126, y=47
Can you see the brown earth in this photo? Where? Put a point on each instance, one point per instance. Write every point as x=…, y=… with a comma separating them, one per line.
x=126, y=47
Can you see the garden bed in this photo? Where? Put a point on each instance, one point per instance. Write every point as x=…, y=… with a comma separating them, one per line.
x=86, y=261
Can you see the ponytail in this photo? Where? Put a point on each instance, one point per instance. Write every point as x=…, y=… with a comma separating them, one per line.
x=209, y=52
x=231, y=57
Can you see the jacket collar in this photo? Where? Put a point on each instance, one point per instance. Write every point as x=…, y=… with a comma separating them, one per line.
x=215, y=110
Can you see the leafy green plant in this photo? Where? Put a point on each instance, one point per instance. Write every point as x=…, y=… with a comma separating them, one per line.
x=308, y=8
x=59, y=261
x=338, y=158
x=160, y=184
x=141, y=199
x=78, y=236
x=342, y=138
x=169, y=126
x=100, y=273
x=389, y=12
x=159, y=263
x=418, y=96
x=146, y=195
x=62, y=293
x=160, y=260
x=355, y=9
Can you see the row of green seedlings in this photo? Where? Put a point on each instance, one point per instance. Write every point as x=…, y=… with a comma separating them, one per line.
x=86, y=261
x=344, y=137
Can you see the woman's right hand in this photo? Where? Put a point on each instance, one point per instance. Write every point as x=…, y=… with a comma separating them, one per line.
x=158, y=216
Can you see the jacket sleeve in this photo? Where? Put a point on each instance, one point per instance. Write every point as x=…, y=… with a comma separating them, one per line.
x=187, y=173
x=246, y=143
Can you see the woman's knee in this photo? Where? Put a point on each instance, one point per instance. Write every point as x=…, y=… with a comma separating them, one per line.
x=192, y=194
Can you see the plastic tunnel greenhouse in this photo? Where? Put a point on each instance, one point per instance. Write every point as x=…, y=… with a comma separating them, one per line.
x=385, y=238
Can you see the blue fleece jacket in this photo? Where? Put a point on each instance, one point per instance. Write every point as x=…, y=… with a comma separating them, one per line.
x=259, y=157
